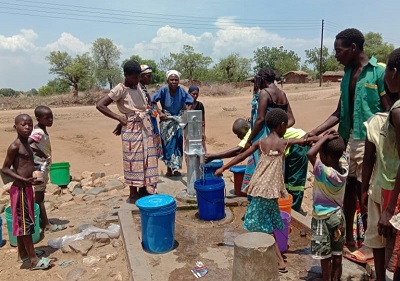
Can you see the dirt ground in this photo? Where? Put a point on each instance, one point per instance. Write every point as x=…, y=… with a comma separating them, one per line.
x=83, y=137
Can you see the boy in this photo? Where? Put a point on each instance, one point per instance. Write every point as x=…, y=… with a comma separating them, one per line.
x=20, y=156
x=328, y=224
x=40, y=144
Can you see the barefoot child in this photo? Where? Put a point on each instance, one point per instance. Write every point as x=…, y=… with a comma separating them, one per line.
x=197, y=105
x=328, y=225
x=20, y=156
x=40, y=144
x=267, y=183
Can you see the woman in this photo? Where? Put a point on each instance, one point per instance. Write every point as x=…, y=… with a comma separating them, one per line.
x=174, y=99
x=266, y=96
x=139, y=151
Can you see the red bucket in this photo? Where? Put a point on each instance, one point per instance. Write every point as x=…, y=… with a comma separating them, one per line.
x=238, y=174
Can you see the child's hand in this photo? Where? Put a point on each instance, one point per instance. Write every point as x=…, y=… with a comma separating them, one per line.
x=311, y=139
x=162, y=116
x=332, y=135
x=330, y=132
x=219, y=172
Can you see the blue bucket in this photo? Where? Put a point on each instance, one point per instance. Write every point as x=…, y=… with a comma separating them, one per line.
x=211, y=167
x=157, y=213
x=210, y=198
x=282, y=236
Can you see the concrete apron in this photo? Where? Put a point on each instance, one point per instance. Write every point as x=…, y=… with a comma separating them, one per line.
x=140, y=270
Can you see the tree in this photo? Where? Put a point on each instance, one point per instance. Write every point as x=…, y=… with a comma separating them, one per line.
x=278, y=59
x=187, y=62
x=72, y=70
x=105, y=58
x=8, y=92
x=233, y=68
x=374, y=46
x=59, y=86
x=158, y=75
x=329, y=62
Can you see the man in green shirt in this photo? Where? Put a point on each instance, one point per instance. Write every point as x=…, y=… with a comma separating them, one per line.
x=362, y=95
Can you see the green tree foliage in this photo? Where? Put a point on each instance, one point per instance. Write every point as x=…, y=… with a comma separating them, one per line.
x=233, y=68
x=278, y=59
x=8, y=92
x=374, y=46
x=105, y=58
x=158, y=75
x=189, y=63
x=73, y=70
x=59, y=86
x=329, y=62
x=32, y=92
x=45, y=90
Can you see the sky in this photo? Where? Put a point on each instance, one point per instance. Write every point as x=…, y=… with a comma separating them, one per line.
x=30, y=29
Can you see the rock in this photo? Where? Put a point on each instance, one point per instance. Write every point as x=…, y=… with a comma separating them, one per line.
x=74, y=184
x=66, y=198
x=65, y=190
x=77, y=191
x=79, y=197
x=66, y=249
x=100, y=182
x=352, y=271
x=88, y=197
x=102, y=238
x=87, y=182
x=86, y=188
x=107, y=164
x=66, y=204
x=87, y=175
x=111, y=257
x=96, y=190
x=91, y=260
x=115, y=276
x=114, y=184
x=76, y=274
x=2, y=208
x=53, y=189
x=98, y=175
x=81, y=246
x=116, y=243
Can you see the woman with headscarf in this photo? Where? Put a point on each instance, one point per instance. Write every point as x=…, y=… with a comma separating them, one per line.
x=174, y=100
x=266, y=96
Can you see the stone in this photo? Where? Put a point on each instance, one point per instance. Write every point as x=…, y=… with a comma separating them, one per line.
x=116, y=243
x=79, y=197
x=252, y=251
x=88, y=197
x=76, y=274
x=87, y=182
x=66, y=198
x=66, y=249
x=91, y=260
x=87, y=175
x=98, y=175
x=77, y=191
x=74, y=184
x=100, y=182
x=2, y=208
x=65, y=190
x=53, y=189
x=81, y=246
x=96, y=190
x=86, y=188
x=114, y=184
x=111, y=257
x=66, y=204
x=352, y=271
x=102, y=238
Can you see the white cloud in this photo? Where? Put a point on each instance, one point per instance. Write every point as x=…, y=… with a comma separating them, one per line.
x=69, y=43
x=22, y=41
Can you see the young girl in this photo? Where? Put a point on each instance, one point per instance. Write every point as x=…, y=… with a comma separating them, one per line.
x=197, y=105
x=267, y=183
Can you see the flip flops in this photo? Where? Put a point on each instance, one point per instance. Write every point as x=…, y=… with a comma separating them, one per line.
x=283, y=270
x=43, y=263
x=38, y=252
x=55, y=228
x=358, y=257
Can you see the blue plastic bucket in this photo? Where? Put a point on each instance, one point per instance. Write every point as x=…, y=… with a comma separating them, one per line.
x=210, y=198
x=11, y=237
x=282, y=236
x=157, y=213
x=211, y=167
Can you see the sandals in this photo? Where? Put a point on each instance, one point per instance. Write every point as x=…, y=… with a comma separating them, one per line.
x=44, y=263
x=38, y=253
x=357, y=256
x=55, y=228
x=283, y=270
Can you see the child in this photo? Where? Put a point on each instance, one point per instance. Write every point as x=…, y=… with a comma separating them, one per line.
x=20, y=156
x=40, y=144
x=267, y=183
x=328, y=225
x=197, y=105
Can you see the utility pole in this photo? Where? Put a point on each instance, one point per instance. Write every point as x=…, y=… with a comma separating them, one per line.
x=320, y=53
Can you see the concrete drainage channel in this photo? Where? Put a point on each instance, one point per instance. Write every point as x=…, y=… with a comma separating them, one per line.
x=212, y=243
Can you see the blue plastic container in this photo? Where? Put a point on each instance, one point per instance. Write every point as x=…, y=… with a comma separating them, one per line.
x=211, y=167
x=282, y=236
x=157, y=213
x=210, y=198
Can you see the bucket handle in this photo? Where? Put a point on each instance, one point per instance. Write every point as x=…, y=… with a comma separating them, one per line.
x=216, y=202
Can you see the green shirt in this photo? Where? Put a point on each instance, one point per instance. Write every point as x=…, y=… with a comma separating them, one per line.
x=368, y=91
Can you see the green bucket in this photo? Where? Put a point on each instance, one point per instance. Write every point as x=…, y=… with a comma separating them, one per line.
x=12, y=238
x=59, y=173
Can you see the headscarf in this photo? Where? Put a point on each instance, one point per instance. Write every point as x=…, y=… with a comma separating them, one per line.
x=173, y=72
x=146, y=69
x=193, y=88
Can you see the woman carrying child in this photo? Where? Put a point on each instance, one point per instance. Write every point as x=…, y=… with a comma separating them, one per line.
x=267, y=184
